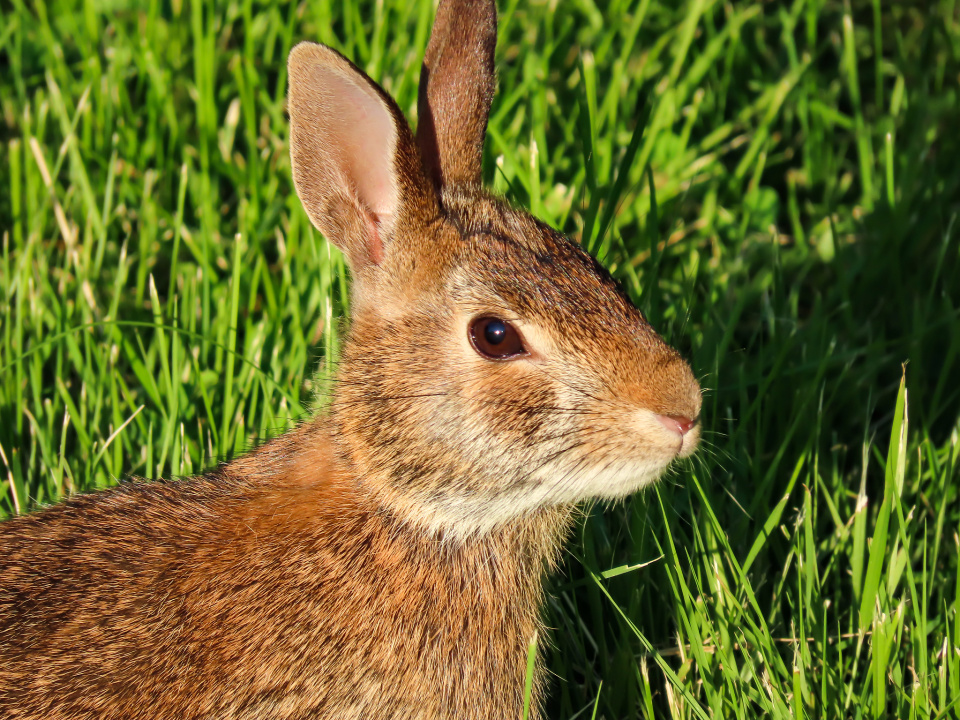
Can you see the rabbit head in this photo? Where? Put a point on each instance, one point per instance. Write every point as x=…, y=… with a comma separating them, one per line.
x=493, y=368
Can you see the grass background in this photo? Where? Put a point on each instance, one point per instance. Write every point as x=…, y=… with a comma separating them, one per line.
x=777, y=185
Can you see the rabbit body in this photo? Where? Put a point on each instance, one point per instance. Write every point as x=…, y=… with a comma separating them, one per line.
x=270, y=589
x=385, y=560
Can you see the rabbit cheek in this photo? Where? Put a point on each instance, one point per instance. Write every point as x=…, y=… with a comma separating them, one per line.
x=508, y=403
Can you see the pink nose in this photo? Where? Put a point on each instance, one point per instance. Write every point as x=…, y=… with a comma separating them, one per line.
x=677, y=423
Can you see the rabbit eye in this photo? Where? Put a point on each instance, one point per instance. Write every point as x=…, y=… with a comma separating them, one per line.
x=496, y=339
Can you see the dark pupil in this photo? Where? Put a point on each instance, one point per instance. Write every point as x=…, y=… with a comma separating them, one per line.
x=495, y=332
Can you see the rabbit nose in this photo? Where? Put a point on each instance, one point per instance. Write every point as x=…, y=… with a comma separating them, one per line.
x=677, y=423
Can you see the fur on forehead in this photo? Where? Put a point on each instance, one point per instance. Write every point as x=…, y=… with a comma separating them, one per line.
x=534, y=267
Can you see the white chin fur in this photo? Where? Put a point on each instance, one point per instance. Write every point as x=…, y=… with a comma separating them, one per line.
x=461, y=518
x=634, y=456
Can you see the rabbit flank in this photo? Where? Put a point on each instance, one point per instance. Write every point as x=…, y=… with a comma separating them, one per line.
x=386, y=559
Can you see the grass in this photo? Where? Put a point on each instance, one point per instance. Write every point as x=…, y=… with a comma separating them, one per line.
x=777, y=186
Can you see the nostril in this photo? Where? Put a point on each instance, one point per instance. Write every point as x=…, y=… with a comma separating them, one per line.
x=677, y=423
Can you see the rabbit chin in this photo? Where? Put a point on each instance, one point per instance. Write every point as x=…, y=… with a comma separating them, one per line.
x=459, y=518
x=633, y=458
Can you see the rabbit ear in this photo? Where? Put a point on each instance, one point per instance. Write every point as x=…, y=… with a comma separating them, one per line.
x=456, y=89
x=355, y=163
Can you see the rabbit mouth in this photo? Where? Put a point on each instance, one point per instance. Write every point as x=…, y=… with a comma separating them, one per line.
x=677, y=436
x=683, y=431
x=646, y=445
x=623, y=458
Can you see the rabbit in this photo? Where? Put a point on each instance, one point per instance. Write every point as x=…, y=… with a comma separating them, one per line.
x=387, y=558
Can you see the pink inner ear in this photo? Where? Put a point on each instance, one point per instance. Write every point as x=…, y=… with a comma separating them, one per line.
x=346, y=142
x=362, y=139
x=374, y=243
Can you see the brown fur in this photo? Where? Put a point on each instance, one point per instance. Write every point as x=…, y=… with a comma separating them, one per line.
x=273, y=589
x=385, y=560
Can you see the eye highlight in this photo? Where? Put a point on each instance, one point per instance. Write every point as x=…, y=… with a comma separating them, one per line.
x=496, y=339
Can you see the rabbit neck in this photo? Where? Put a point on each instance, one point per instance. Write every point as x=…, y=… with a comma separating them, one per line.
x=313, y=463
x=437, y=601
x=451, y=507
